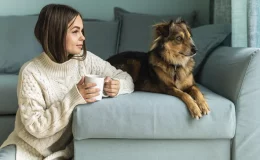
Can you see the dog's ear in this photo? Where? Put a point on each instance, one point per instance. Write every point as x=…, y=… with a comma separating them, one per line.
x=170, y=23
x=189, y=29
x=161, y=29
x=179, y=20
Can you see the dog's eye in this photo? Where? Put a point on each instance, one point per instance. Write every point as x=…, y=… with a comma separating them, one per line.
x=178, y=38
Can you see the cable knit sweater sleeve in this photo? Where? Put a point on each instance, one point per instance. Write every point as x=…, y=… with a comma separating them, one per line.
x=101, y=67
x=40, y=120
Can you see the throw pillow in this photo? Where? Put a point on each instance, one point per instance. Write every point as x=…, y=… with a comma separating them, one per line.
x=101, y=37
x=206, y=39
x=136, y=29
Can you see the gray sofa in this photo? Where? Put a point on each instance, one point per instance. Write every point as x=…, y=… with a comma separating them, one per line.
x=145, y=125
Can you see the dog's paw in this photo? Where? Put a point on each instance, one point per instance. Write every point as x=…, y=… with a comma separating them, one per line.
x=194, y=110
x=203, y=105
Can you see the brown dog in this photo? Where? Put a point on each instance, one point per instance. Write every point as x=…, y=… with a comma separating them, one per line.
x=167, y=67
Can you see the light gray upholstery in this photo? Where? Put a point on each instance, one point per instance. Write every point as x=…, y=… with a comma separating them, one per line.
x=235, y=73
x=144, y=115
x=136, y=29
x=7, y=126
x=126, y=149
x=17, y=42
x=8, y=98
x=101, y=37
x=8, y=153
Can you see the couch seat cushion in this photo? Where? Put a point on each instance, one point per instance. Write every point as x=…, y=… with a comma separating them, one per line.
x=8, y=97
x=6, y=126
x=143, y=115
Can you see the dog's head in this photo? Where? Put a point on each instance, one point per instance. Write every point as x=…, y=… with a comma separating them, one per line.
x=173, y=41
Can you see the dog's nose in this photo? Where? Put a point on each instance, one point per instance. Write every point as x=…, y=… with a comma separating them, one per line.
x=194, y=49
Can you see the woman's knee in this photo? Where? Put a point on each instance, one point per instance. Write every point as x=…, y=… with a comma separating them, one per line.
x=8, y=153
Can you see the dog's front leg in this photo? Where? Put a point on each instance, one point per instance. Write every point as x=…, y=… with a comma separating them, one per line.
x=188, y=100
x=199, y=98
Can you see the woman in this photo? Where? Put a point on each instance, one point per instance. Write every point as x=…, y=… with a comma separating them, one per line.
x=51, y=85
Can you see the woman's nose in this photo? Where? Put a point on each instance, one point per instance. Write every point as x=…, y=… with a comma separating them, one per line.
x=82, y=37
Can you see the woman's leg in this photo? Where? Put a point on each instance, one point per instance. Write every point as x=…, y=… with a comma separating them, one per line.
x=8, y=153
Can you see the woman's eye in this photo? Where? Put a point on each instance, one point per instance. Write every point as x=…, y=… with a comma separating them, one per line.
x=75, y=31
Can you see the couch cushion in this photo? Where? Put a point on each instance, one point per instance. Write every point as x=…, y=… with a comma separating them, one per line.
x=8, y=96
x=136, y=29
x=143, y=115
x=206, y=39
x=17, y=42
x=101, y=37
x=6, y=126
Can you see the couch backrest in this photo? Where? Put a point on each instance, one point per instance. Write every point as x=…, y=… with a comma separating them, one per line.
x=101, y=37
x=17, y=42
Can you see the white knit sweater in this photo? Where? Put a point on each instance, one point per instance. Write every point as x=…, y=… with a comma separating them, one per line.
x=47, y=94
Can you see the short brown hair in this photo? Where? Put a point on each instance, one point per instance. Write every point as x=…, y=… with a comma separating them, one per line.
x=51, y=30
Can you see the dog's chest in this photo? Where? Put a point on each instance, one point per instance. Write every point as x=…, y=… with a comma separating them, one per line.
x=176, y=76
x=175, y=69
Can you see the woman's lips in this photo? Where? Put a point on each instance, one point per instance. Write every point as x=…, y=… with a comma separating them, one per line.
x=80, y=46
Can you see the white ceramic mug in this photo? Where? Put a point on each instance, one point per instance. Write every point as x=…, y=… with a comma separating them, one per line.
x=99, y=80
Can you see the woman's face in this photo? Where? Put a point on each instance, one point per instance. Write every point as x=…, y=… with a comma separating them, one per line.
x=74, y=37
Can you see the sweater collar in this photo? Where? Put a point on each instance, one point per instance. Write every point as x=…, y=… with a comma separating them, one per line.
x=58, y=69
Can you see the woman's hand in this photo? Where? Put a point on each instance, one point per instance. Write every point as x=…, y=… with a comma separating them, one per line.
x=111, y=87
x=87, y=91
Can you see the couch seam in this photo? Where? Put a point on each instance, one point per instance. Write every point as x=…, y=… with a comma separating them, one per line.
x=252, y=55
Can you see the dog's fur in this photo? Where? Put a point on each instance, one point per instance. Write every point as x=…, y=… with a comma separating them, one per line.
x=167, y=67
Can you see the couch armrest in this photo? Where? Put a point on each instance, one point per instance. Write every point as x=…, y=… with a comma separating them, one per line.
x=230, y=71
x=235, y=74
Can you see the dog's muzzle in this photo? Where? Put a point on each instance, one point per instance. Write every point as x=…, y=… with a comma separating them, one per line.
x=193, y=51
x=194, y=54
x=190, y=55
